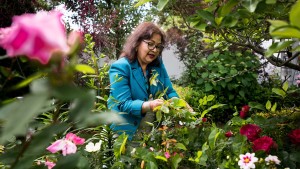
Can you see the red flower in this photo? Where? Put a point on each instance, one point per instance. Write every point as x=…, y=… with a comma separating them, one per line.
x=264, y=143
x=204, y=119
x=245, y=108
x=295, y=136
x=251, y=131
x=243, y=114
x=229, y=134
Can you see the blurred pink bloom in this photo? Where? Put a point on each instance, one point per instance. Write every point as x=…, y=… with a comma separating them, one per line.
x=75, y=139
x=251, y=131
x=167, y=155
x=298, y=81
x=49, y=164
x=66, y=145
x=37, y=36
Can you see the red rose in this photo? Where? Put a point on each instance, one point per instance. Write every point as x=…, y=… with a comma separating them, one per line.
x=243, y=114
x=295, y=136
x=264, y=143
x=245, y=108
x=251, y=131
x=229, y=134
x=204, y=119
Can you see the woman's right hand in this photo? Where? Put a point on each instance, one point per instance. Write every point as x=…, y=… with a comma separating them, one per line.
x=150, y=105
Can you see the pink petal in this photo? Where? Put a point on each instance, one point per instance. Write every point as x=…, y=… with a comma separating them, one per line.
x=49, y=164
x=70, y=148
x=56, y=146
x=77, y=140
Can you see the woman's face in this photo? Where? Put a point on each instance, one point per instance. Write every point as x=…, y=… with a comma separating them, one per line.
x=149, y=49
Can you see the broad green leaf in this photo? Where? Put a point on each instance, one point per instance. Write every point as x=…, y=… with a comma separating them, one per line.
x=180, y=146
x=161, y=158
x=273, y=109
x=250, y=4
x=279, y=92
x=141, y=2
x=242, y=93
x=70, y=161
x=268, y=105
x=218, y=20
x=294, y=14
x=210, y=98
x=207, y=16
x=285, y=86
x=161, y=4
x=226, y=9
x=85, y=69
x=276, y=24
x=119, y=145
x=229, y=21
x=25, y=110
x=175, y=160
x=256, y=105
x=286, y=32
x=212, y=138
x=278, y=46
x=208, y=87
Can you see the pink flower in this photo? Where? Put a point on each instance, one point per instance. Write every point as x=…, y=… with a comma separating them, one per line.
x=167, y=155
x=229, y=134
x=264, y=143
x=49, y=164
x=75, y=139
x=245, y=108
x=66, y=145
x=37, y=36
x=251, y=131
x=272, y=159
x=295, y=136
x=247, y=161
x=243, y=114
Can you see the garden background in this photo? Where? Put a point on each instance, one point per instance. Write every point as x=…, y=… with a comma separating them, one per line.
x=54, y=89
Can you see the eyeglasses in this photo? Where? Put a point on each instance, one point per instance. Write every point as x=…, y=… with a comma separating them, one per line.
x=151, y=45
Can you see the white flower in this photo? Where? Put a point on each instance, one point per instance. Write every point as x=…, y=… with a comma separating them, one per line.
x=91, y=147
x=273, y=159
x=247, y=161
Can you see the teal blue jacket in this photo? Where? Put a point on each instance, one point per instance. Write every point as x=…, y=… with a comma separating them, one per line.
x=128, y=94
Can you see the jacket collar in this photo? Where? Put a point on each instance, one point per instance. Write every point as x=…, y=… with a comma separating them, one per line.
x=138, y=75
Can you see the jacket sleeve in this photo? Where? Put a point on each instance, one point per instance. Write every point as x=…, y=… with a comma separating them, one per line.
x=167, y=82
x=120, y=89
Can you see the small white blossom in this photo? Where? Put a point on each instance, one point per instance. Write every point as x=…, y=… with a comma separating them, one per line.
x=273, y=159
x=247, y=161
x=91, y=147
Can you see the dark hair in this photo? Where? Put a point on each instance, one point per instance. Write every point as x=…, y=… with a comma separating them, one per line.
x=144, y=31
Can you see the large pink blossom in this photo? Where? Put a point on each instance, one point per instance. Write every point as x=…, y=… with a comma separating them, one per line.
x=36, y=36
x=264, y=143
x=66, y=145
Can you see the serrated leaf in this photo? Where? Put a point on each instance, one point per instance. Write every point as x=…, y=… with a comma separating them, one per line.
x=85, y=69
x=294, y=14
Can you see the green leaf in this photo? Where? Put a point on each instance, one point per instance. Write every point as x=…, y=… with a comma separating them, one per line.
x=277, y=46
x=256, y=105
x=165, y=109
x=279, y=92
x=25, y=110
x=161, y=158
x=210, y=98
x=242, y=93
x=180, y=146
x=274, y=107
x=271, y=1
x=207, y=16
x=294, y=14
x=158, y=115
x=212, y=138
x=86, y=69
x=208, y=87
x=286, y=32
x=175, y=160
x=226, y=9
x=119, y=145
x=28, y=80
x=161, y=4
x=285, y=86
x=141, y=2
x=268, y=105
x=250, y=4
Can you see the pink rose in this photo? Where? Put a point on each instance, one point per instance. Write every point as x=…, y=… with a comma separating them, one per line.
x=245, y=108
x=251, y=131
x=229, y=134
x=295, y=136
x=37, y=36
x=243, y=114
x=264, y=143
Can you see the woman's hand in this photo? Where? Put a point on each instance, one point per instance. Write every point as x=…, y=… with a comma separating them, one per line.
x=149, y=106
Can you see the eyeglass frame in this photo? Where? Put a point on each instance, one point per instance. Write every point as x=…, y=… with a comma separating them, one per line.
x=159, y=48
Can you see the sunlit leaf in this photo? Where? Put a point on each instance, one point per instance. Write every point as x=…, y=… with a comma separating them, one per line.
x=285, y=86
x=268, y=105
x=278, y=46
x=250, y=4
x=141, y=2
x=212, y=138
x=28, y=80
x=279, y=92
x=161, y=4
x=119, y=145
x=161, y=158
x=226, y=9
x=256, y=105
x=294, y=14
x=286, y=32
x=273, y=109
x=86, y=69
x=180, y=146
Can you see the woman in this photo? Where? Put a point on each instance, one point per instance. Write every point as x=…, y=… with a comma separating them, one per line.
x=140, y=60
